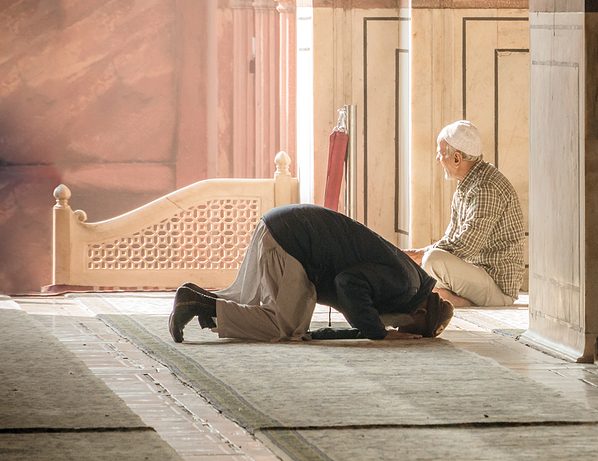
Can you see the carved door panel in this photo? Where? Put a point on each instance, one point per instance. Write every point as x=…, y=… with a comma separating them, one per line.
x=385, y=112
x=495, y=85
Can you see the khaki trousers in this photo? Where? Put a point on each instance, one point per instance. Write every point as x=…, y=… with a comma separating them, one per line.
x=271, y=299
x=463, y=279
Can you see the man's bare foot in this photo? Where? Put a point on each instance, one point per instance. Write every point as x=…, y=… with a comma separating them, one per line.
x=454, y=299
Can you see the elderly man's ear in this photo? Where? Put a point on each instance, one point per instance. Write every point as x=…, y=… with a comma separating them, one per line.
x=457, y=157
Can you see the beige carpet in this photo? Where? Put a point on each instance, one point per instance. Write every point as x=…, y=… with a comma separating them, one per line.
x=531, y=443
x=52, y=407
x=364, y=399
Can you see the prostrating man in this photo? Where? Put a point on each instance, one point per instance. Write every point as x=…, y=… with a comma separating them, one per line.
x=303, y=254
x=479, y=260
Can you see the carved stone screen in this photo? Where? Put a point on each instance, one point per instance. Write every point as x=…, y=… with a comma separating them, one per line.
x=213, y=235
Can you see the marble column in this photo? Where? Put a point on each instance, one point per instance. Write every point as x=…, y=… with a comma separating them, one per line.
x=266, y=86
x=243, y=132
x=288, y=87
x=564, y=178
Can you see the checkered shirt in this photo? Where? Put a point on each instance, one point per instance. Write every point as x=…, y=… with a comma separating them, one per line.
x=486, y=227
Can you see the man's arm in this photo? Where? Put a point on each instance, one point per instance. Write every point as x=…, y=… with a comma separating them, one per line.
x=416, y=254
x=355, y=294
x=353, y=333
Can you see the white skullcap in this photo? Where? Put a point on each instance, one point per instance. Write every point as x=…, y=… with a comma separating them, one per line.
x=463, y=136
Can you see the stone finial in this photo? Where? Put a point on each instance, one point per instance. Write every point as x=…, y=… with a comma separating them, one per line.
x=62, y=194
x=283, y=163
x=80, y=215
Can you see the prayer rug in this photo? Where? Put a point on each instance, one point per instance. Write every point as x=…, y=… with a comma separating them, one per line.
x=365, y=400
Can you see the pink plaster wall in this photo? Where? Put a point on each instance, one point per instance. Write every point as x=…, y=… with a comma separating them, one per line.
x=108, y=97
x=87, y=97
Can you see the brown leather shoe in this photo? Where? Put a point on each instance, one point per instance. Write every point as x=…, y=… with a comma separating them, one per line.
x=179, y=317
x=189, y=303
x=205, y=299
x=199, y=289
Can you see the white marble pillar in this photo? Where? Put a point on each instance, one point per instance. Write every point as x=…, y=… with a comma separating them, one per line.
x=563, y=178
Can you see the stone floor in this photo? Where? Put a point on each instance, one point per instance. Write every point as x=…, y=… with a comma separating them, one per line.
x=195, y=429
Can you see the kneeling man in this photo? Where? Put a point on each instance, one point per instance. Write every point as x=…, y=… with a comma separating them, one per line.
x=303, y=254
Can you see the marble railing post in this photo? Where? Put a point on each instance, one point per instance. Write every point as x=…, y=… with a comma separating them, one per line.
x=563, y=302
x=286, y=187
x=63, y=218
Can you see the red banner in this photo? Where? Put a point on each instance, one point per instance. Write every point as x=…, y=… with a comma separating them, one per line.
x=337, y=153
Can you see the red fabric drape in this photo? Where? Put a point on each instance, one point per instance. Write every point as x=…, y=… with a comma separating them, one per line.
x=337, y=153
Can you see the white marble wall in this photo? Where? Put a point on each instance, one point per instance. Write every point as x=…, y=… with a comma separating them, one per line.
x=563, y=314
x=467, y=64
x=361, y=58
x=473, y=64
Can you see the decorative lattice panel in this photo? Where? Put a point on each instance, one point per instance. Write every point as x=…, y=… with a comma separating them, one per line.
x=210, y=236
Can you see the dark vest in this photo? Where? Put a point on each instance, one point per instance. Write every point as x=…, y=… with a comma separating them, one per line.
x=327, y=243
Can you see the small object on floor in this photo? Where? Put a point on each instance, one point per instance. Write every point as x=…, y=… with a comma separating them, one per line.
x=335, y=333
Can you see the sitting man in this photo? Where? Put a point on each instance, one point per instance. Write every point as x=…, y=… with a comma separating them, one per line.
x=479, y=260
x=300, y=254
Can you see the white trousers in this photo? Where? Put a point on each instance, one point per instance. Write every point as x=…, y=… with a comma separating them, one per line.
x=271, y=299
x=463, y=279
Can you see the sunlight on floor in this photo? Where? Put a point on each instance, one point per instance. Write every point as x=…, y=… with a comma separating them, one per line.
x=503, y=320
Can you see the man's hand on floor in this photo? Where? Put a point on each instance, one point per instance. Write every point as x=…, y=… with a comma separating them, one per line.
x=396, y=334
